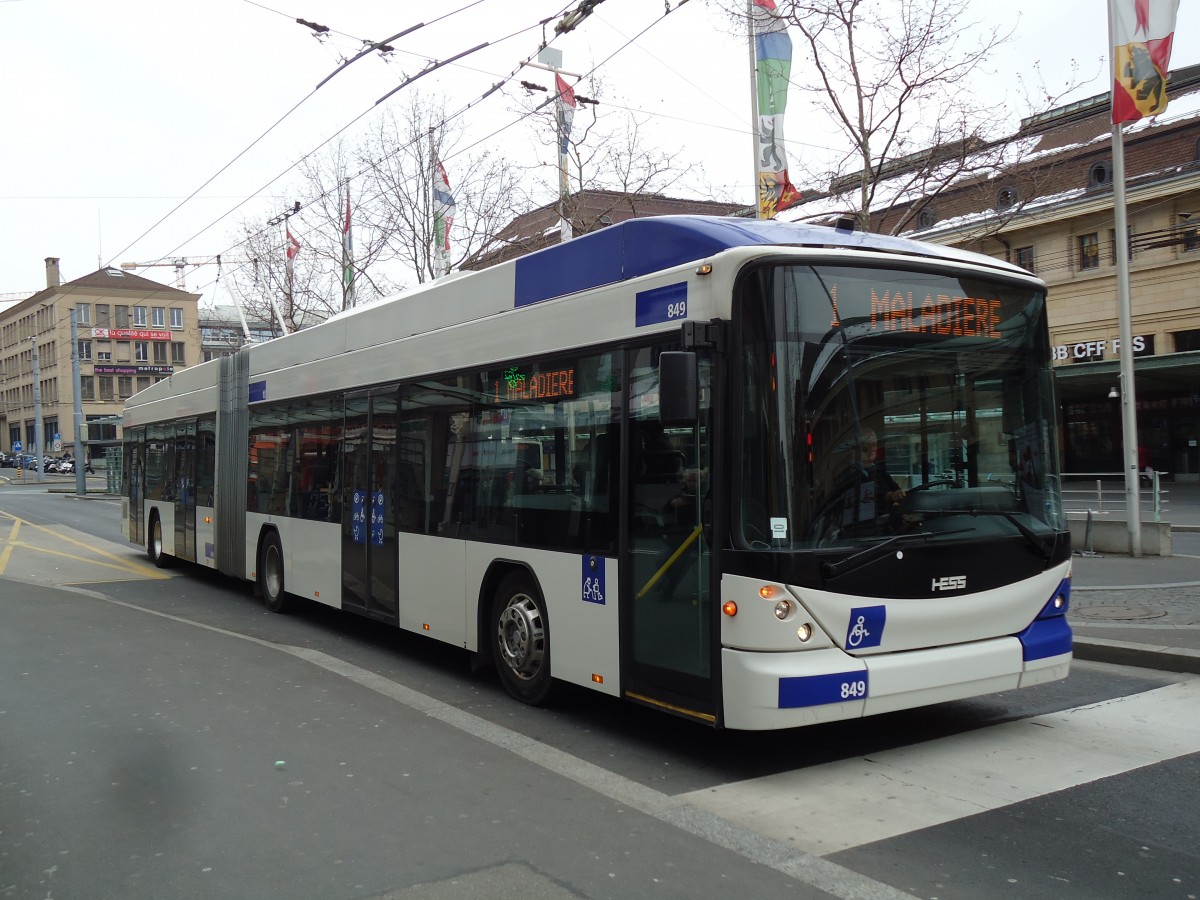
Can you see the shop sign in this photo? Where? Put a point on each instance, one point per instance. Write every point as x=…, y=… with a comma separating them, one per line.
x=1142, y=344
x=133, y=370
x=130, y=334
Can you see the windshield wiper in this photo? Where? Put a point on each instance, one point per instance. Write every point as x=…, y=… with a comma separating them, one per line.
x=1044, y=549
x=877, y=551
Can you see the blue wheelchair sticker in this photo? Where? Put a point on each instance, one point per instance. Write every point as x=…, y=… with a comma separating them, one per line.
x=592, y=580
x=866, y=627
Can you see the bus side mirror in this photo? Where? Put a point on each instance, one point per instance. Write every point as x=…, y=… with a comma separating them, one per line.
x=678, y=388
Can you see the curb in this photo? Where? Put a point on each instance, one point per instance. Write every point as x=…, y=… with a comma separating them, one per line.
x=1145, y=656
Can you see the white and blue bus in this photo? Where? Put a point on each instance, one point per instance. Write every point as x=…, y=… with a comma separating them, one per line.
x=755, y=474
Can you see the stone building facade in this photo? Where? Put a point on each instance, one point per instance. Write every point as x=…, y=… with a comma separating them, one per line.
x=131, y=332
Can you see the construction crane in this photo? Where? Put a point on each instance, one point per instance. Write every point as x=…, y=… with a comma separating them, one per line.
x=180, y=263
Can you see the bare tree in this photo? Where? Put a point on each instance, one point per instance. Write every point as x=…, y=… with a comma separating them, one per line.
x=893, y=79
x=399, y=159
x=608, y=150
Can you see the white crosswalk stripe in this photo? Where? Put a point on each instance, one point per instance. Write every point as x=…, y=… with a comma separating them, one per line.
x=832, y=807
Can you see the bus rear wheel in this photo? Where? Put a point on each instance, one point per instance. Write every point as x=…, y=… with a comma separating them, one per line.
x=154, y=543
x=270, y=574
x=521, y=640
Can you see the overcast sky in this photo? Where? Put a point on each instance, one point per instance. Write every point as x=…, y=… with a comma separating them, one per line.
x=114, y=112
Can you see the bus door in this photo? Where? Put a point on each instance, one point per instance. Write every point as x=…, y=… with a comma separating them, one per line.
x=185, y=490
x=370, y=563
x=667, y=596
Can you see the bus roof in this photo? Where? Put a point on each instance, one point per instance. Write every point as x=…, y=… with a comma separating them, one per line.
x=638, y=247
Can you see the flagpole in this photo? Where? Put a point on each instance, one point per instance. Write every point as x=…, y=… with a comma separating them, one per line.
x=1125, y=322
x=754, y=136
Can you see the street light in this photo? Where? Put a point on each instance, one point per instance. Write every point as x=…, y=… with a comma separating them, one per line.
x=1113, y=393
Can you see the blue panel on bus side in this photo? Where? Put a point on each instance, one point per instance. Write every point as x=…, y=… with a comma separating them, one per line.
x=664, y=304
x=866, y=627
x=1046, y=638
x=817, y=690
x=258, y=391
x=591, y=581
x=638, y=247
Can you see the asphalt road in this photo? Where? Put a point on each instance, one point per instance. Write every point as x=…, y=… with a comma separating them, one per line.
x=169, y=737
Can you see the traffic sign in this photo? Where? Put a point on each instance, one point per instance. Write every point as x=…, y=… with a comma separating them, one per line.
x=16, y=447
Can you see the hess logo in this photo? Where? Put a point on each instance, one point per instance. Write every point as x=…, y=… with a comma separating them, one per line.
x=950, y=583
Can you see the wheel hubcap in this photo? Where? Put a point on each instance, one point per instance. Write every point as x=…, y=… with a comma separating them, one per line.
x=272, y=572
x=522, y=637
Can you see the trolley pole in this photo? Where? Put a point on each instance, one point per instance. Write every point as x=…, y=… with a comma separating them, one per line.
x=80, y=462
x=38, y=437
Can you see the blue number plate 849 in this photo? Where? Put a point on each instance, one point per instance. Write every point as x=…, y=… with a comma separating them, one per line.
x=816, y=690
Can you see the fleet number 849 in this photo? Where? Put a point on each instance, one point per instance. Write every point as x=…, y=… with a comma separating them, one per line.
x=677, y=310
x=852, y=689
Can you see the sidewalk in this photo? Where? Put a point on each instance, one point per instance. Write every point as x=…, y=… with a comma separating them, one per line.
x=1144, y=612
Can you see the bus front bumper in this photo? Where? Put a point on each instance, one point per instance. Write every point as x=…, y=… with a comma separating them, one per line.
x=783, y=690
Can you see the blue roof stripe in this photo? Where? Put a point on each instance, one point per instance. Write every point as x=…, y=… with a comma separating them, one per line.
x=639, y=247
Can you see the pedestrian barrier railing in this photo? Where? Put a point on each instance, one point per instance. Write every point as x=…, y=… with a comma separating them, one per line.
x=1103, y=494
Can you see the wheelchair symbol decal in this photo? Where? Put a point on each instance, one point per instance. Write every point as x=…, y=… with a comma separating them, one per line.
x=866, y=627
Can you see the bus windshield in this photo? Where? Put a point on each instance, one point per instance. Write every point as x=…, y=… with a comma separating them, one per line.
x=882, y=402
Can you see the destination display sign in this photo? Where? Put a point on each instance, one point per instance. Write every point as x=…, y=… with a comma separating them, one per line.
x=515, y=385
x=923, y=312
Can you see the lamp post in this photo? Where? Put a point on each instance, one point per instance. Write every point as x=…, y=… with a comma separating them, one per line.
x=80, y=461
x=38, y=449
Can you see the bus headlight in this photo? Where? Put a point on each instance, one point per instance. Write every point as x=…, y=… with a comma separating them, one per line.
x=804, y=632
x=782, y=609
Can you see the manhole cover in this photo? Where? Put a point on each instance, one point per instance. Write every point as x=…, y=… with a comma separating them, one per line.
x=1119, y=613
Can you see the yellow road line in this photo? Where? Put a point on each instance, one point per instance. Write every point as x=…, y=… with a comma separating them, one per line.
x=124, y=565
x=6, y=553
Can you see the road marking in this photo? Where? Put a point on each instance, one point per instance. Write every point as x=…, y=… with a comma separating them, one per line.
x=121, y=564
x=833, y=879
x=844, y=804
x=6, y=553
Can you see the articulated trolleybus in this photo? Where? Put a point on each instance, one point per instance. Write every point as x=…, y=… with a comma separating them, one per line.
x=756, y=474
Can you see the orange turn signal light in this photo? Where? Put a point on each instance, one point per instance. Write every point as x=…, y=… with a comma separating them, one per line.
x=768, y=591
x=729, y=608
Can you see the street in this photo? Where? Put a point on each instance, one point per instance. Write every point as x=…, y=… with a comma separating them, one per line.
x=162, y=734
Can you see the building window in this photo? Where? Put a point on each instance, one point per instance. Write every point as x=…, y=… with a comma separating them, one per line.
x=160, y=352
x=139, y=316
x=125, y=386
x=123, y=351
x=1089, y=251
x=141, y=351
x=1007, y=198
x=1025, y=258
x=87, y=387
x=1189, y=232
x=1186, y=341
x=927, y=217
x=122, y=316
x=83, y=314
x=1100, y=174
x=102, y=317
x=85, y=350
x=106, y=387
x=177, y=353
x=143, y=382
x=158, y=317
x=103, y=356
x=176, y=317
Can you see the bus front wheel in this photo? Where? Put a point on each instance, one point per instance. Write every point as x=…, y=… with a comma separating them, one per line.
x=521, y=640
x=270, y=574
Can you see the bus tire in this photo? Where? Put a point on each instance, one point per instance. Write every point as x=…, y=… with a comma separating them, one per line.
x=520, y=639
x=270, y=574
x=154, y=543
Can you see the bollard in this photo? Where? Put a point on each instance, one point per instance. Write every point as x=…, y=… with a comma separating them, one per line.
x=1087, y=538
